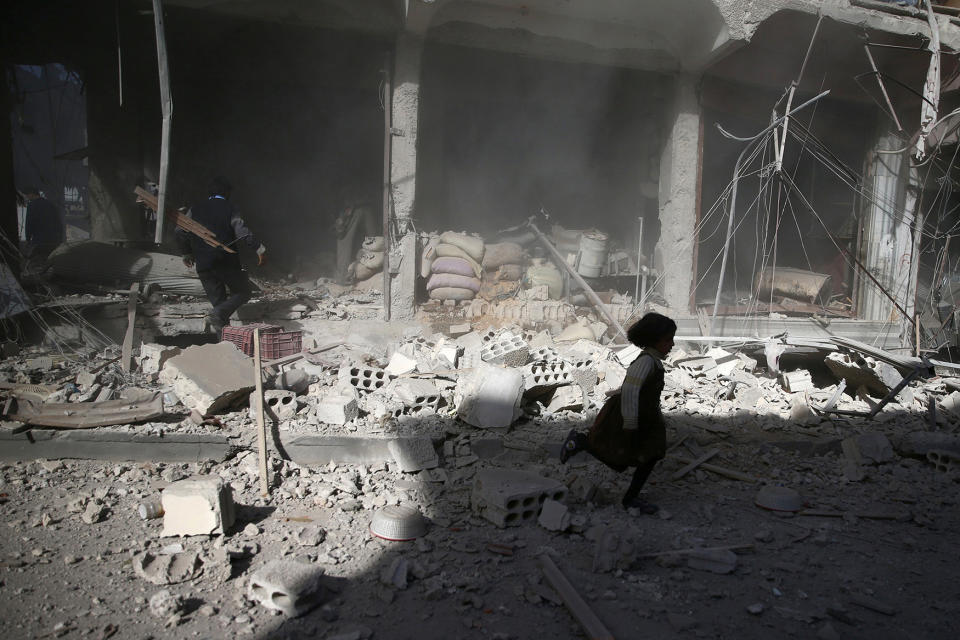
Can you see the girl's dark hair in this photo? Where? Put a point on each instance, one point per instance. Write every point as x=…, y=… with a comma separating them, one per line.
x=650, y=328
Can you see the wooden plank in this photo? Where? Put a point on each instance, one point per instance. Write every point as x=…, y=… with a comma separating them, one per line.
x=578, y=607
x=184, y=222
x=296, y=356
x=126, y=354
x=261, y=423
x=734, y=547
x=693, y=465
x=723, y=471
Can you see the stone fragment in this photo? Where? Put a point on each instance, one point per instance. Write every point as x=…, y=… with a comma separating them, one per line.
x=400, y=364
x=756, y=608
x=291, y=587
x=796, y=381
x=295, y=380
x=875, y=447
x=167, y=569
x=153, y=357
x=210, y=378
x=489, y=396
x=713, y=560
x=94, y=512
x=863, y=371
x=396, y=574
x=337, y=409
x=197, y=506
x=611, y=550
x=311, y=536
x=566, y=398
x=413, y=454
x=164, y=604
x=554, y=516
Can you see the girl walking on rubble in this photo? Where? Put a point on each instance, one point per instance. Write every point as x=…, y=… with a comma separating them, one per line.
x=629, y=430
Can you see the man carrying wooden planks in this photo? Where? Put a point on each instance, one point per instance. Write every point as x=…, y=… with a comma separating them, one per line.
x=219, y=271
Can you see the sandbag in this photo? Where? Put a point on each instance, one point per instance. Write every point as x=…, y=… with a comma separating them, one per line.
x=508, y=272
x=361, y=271
x=502, y=253
x=458, y=266
x=472, y=245
x=427, y=257
x=444, y=250
x=374, y=243
x=443, y=280
x=452, y=293
x=371, y=259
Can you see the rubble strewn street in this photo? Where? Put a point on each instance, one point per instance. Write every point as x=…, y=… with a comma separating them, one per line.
x=864, y=551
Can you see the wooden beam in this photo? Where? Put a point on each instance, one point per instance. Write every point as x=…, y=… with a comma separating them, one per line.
x=126, y=354
x=581, y=610
x=723, y=471
x=693, y=465
x=261, y=422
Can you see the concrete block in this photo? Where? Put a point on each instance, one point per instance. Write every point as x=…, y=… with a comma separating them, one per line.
x=363, y=378
x=277, y=404
x=209, y=378
x=506, y=348
x=567, y=398
x=489, y=396
x=554, y=516
x=544, y=355
x=337, y=409
x=507, y=497
x=413, y=454
x=457, y=330
x=197, y=506
x=295, y=380
x=414, y=393
x=726, y=361
x=291, y=587
x=546, y=375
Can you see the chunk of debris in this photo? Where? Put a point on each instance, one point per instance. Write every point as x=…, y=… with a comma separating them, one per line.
x=796, y=381
x=164, y=604
x=154, y=356
x=291, y=587
x=413, y=454
x=509, y=498
x=335, y=408
x=713, y=560
x=554, y=516
x=210, y=378
x=863, y=371
x=489, y=396
x=197, y=506
x=166, y=569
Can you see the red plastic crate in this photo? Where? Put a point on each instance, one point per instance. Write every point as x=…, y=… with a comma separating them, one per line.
x=280, y=344
x=242, y=336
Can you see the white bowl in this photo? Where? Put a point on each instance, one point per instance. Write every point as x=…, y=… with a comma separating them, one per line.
x=778, y=499
x=398, y=523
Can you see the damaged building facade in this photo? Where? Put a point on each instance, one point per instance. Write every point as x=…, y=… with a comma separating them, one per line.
x=465, y=204
x=615, y=126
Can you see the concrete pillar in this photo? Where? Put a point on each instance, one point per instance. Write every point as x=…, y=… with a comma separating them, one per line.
x=403, y=173
x=886, y=241
x=679, y=167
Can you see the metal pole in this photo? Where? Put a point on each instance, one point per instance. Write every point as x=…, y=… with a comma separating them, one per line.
x=636, y=286
x=166, y=104
x=387, y=147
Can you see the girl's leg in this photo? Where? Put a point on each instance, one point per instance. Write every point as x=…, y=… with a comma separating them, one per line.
x=631, y=499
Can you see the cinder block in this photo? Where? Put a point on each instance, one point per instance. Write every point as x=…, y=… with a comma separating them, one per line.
x=414, y=393
x=197, y=506
x=507, y=497
x=506, y=349
x=543, y=376
x=290, y=587
x=554, y=516
x=363, y=378
x=796, y=381
x=337, y=409
x=277, y=404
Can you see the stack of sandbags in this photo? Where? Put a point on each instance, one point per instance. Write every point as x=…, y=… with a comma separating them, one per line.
x=370, y=258
x=503, y=267
x=455, y=267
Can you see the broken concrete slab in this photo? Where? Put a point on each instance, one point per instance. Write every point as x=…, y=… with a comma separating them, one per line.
x=335, y=408
x=290, y=587
x=874, y=447
x=720, y=561
x=554, y=516
x=796, y=381
x=197, y=506
x=154, y=356
x=210, y=378
x=489, y=396
x=566, y=398
x=76, y=415
x=413, y=454
x=104, y=444
x=863, y=371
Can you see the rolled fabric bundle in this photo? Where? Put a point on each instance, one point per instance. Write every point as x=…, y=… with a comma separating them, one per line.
x=444, y=250
x=458, y=266
x=445, y=280
x=508, y=272
x=372, y=260
x=452, y=293
x=373, y=243
x=501, y=253
x=471, y=245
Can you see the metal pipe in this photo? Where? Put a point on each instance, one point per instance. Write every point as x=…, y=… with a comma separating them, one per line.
x=591, y=296
x=636, y=286
x=166, y=105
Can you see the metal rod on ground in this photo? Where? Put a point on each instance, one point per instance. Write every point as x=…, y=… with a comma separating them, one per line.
x=575, y=604
x=166, y=105
x=127, y=349
x=261, y=422
x=591, y=295
x=636, y=286
x=387, y=145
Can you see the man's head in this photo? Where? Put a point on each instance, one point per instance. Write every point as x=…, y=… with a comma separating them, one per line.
x=220, y=186
x=31, y=193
